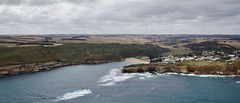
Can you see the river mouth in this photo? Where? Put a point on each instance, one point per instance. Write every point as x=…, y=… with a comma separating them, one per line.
x=104, y=83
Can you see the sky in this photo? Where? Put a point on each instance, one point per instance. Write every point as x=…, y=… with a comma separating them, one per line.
x=119, y=16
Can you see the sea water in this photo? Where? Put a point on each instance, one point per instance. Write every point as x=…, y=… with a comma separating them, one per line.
x=104, y=83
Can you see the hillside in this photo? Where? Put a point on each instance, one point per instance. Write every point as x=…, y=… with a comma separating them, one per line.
x=76, y=53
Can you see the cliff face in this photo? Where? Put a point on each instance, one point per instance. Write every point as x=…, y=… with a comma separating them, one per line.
x=26, y=68
x=34, y=67
x=233, y=69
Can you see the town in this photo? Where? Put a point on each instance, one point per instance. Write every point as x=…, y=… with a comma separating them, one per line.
x=207, y=56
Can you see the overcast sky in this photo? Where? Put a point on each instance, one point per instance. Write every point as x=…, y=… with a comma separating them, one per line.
x=120, y=16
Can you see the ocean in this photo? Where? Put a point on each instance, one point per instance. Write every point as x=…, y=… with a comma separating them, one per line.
x=104, y=83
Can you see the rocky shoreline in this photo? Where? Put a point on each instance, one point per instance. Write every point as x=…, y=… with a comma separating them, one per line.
x=233, y=69
x=35, y=67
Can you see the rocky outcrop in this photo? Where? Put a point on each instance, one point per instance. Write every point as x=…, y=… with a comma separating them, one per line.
x=27, y=68
x=193, y=69
x=34, y=67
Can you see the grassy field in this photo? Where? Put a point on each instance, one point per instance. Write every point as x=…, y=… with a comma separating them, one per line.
x=76, y=53
x=198, y=48
x=180, y=50
x=199, y=63
x=177, y=44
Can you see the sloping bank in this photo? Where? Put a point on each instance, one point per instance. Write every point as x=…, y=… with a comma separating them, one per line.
x=35, y=67
x=18, y=60
x=226, y=69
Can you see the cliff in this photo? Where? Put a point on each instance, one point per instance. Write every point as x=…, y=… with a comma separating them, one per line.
x=221, y=69
x=34, y=67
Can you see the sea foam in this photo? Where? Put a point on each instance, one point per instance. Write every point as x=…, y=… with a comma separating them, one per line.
x=115, y=76
x=195, y=75
x=214, y=76
x=75, y=94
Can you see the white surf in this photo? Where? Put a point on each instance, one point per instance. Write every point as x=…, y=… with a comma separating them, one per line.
x=75, y=94
x=115, y=76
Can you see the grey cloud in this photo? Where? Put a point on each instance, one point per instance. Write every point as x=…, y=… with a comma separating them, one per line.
x=80, y=1
x=115, y=16
x=11, y=2
x=42, y=2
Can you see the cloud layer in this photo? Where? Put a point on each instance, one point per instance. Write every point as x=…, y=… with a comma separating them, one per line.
x=119, y=16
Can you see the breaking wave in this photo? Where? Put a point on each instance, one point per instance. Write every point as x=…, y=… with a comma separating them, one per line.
x=215, y=76
x=195, y=75
x=75, y=94
x=115, y=76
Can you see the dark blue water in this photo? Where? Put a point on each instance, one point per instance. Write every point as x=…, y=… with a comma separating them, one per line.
x=104, y=83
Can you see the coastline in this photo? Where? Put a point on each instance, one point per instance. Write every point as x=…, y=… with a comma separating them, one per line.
x=199, y=75
x=179, y=70
x=229, y=70
x=9, y=70
x=35, y=67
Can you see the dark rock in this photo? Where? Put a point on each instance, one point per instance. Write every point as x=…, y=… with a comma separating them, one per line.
x=140, y=70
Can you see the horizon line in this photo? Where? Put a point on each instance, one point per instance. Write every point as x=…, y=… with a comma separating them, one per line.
x=126, y=34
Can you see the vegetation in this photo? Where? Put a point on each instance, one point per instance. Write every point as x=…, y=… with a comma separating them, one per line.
x=198, y=48
x=176, y=50
x=75, y=53
x=156, y=60
x=170, y=43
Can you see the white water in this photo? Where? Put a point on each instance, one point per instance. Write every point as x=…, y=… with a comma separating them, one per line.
x=215, y=76
x=195, y=75
x=75, y=94
x=115, y=76
x=153, y=88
